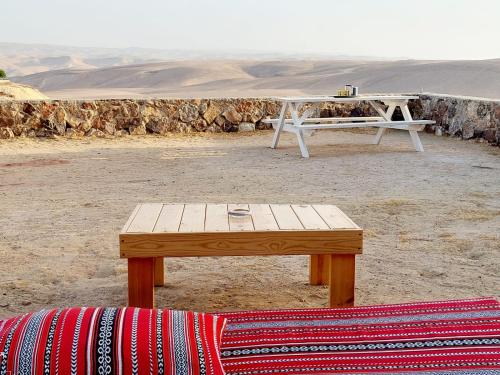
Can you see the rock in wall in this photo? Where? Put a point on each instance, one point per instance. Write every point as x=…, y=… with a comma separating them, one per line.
x=462, y=117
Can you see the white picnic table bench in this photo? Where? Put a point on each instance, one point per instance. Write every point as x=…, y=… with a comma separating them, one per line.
x=301, y=124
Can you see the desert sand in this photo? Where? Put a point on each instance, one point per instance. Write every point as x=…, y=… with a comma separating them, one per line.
x=225, y=78
x=69, y=72
x=431, y=219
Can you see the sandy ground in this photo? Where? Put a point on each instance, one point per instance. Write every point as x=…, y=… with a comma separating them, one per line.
x=431, y=219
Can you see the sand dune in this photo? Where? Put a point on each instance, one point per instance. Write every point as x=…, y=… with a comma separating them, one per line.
x=76, y=72
x=248, y=78
x=20, y=59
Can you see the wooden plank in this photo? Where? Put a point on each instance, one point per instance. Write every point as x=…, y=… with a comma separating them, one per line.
x=344, y=99
x=159, y=271
x=315, y=120
x=319, y=270
x=306, y=130
x=342, y=278
x=131, y=217
x=145, y=219
x=263, y=218
x=216, y=219
x=334, y=217
x=169, y=218
x=309, y=217
x=141, y=282
x=193, y=218
x=283, y=242
x=285, y=217
x=242, y=223
x=402, y=125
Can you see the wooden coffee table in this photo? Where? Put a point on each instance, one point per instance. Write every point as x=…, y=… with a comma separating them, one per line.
x=157, y=230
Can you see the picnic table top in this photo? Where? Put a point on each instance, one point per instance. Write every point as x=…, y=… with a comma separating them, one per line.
x=187, y=218
x=331, y=98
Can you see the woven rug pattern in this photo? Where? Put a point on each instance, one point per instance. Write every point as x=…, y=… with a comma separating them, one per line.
x=448, y=337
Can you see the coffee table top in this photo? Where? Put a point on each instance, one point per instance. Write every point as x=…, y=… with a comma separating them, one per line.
x=209, y=218
x=200, y=229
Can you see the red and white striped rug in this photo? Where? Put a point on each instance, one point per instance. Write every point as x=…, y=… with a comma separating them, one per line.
x=450, y=337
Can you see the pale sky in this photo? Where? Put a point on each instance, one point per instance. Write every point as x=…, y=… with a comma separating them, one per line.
x=428, y=29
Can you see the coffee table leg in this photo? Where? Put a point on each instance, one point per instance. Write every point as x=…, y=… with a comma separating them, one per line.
x=342, y=275
x=159, y=272
x=319, y=270
x=141, y=278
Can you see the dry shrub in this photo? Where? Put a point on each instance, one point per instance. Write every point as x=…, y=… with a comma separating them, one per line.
x=393, y=206
x=479, y=194
x=453, y=243
x=475, y=214
x=369, y=233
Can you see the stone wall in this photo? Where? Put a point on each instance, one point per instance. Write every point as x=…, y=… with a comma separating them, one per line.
x=126, y=116
x=456, y=116
x=459, y=116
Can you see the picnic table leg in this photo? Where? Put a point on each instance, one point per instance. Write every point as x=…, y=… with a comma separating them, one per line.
x=141, y=280
x=386, y=116
x=302, y=144
x=342, y=277
x=280, y=125
x=378, y=137
x=319, y=270
x=159, y=272
x=297, y=122
x=415, y=139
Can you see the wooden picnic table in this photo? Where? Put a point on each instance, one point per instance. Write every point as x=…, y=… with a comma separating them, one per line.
x=301, y=123
x=158, y=230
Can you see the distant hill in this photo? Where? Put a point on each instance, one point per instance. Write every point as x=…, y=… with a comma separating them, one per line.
x=248, y=78
x=77, y=72
x=20, y=59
